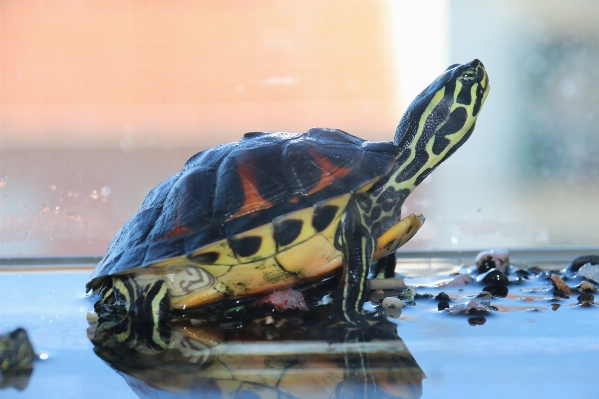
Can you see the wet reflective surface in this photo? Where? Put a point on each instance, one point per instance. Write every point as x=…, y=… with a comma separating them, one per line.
x=294, y=359
x=527, y=346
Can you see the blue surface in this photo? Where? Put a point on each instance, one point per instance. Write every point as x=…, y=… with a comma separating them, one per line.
x=52, y=308
x=515, y=354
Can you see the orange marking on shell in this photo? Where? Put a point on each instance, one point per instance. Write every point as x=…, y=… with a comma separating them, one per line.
x=175, y=232
x=253, y=200
x=330, y=171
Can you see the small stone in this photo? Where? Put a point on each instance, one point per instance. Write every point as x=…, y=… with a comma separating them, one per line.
x=408, y=294
x=91, y=317
x=458, y=281
x=386, y=283
x=477, y=321
x=555, y=306
x=585, y=286
x=577, y=263
x=485, y=295
x=474, y=306
x=493, y=276
x=590, y=272
x=485, y=265
x=442, y=297
x=392, y=303
x=498, y=291
x=442, y=305
x=590, y=298
x=559, y=284
x=392, y=306
x=494, y=258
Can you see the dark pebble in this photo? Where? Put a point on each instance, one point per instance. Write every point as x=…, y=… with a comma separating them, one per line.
x=498, y=291
x=559, y=294
x=555, y=306
x=424, y=296
x=586, y=298
x=581, y=261
x=493, y=276
x=523, y=273
x=485, y=264
x=485, y=295
x=442, y=297
x=477, y=321
x=442, y=305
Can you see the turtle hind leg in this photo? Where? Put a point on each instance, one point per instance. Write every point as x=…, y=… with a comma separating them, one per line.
x=385, y=267
x=145, y=319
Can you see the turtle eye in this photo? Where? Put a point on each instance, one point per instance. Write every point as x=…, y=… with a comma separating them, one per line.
x=468, y=75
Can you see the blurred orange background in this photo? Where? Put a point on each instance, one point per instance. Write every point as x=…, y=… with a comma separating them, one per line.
x=173, y=74
x=102, y=100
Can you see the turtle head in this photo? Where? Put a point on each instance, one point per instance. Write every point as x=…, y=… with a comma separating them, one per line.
x=440, y=119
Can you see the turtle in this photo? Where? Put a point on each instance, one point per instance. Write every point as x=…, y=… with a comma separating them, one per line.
x=275, y=210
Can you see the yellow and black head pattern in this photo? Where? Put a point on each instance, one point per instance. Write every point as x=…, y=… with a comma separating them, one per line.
x=439, y=121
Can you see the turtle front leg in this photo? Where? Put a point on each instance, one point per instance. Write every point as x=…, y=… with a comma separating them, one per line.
x=357, y=246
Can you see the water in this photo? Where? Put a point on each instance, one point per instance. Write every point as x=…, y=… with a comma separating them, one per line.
x=523, y=350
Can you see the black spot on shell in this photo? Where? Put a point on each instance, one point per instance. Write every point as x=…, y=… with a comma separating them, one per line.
x=206, y=258
x=246, y=246
x=287, y=231
x=498, y=291
x=323, y=216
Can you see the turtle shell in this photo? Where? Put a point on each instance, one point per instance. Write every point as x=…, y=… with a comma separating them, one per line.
x=230, y=189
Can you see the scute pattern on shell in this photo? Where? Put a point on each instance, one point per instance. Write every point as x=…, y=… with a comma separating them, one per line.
x=231, y=188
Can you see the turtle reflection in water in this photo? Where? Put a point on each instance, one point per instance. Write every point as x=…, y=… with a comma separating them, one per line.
x=290, y=358
x=16, y=359
x=277, y=210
